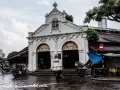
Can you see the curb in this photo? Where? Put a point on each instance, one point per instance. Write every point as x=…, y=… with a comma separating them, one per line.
x=106, y=79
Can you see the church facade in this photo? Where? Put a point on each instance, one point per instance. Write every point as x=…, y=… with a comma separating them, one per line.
x=57, y=40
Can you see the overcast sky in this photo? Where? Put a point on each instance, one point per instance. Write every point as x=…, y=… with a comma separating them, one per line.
x=18, y=17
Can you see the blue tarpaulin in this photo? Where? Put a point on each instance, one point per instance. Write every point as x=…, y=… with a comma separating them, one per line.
x=94, y=57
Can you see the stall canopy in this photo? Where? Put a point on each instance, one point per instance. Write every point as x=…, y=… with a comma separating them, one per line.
x=94, y=57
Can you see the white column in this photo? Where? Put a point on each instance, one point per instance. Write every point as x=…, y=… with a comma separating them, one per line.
x=81, y=56
x=52, y=56
x=86, y=49
x=34, y=61
x=56, y=41
x=30, y=65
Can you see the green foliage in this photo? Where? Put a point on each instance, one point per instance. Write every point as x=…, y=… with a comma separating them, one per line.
x=69, y=18
x=117, y=3
x=92, y=35
x=109, y=9
x=12, y=54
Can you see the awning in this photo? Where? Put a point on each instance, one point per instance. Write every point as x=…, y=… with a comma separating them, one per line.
x=94, y=57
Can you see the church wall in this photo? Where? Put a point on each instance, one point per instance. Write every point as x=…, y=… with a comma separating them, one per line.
x=33, y=53
x=55, y=38
x=82, y=46
x=56, y=43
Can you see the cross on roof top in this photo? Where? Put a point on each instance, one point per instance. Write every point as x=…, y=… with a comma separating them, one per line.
x=55, y=5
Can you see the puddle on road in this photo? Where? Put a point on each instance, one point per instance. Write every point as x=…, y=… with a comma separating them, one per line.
x=49, y=83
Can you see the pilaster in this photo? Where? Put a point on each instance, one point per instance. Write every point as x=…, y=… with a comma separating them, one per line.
x=30, y=65
x=81, y=56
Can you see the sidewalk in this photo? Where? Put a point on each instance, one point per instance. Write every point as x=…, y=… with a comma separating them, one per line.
x=107, y=78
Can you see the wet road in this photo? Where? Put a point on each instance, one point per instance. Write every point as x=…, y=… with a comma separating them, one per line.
x=8, y=82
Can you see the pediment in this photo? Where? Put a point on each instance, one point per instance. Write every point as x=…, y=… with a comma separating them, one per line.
x=66, y=27
x=55, y=11
x=73, y=26
x=41, y=29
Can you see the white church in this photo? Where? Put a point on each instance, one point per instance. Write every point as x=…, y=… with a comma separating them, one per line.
x=57, y=41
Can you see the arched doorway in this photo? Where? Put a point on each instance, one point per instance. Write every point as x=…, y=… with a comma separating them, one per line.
x=70, y=54
x=43, y=56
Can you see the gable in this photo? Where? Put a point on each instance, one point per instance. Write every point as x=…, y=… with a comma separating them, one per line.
x=69, y=27
x=64, y=27
x=55, y=14
x=61, y=26
x=42, y=30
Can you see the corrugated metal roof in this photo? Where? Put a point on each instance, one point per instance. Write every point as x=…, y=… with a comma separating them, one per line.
x=112, y=55
x=107, y=48
x=25, y=50
x=106, y=29
x=110, y=37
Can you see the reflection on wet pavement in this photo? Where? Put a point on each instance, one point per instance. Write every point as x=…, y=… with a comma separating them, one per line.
x=8, y=82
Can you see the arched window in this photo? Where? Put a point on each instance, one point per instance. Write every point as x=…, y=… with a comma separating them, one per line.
x=55, y=23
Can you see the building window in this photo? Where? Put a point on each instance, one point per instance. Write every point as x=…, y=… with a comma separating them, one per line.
x=55, y=24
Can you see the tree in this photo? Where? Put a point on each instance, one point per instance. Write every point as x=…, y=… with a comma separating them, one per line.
x=12, y=54
x=69, y=18
x=109, y=9
x=92, y=35
x=117, y=3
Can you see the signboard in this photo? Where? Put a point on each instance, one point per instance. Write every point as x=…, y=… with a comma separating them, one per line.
x=101, y=47
x=59, y=56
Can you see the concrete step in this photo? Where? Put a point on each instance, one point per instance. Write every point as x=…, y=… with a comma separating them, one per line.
x=54, y=72
x=44, y=74
x=48, y=72
x=40, y=74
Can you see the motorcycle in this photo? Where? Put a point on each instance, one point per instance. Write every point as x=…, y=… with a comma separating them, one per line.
x=20, y=70
x=59, y=76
